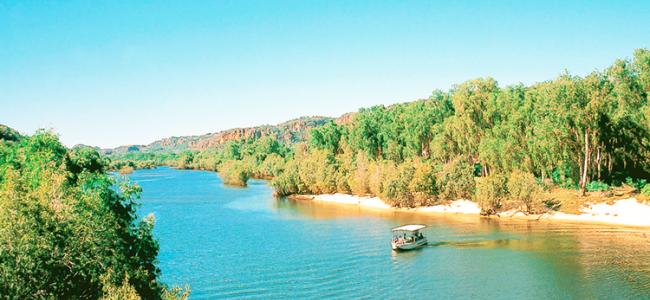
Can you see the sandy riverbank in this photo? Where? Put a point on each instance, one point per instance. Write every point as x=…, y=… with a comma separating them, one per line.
x=627, y=212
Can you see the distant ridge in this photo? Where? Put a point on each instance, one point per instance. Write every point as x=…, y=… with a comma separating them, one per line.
x=291, y=131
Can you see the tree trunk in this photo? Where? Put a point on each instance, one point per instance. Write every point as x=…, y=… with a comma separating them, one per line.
x=610, y=164
x=598, y=160
x=581, y=164
x=583, y=180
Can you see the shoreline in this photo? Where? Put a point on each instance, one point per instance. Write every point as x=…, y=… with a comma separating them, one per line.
x=624, y=212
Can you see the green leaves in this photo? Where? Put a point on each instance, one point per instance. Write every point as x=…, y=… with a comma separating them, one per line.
x=64, y=225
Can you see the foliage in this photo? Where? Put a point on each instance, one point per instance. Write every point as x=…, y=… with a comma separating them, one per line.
x=523, y=189
x=234, y=172
x=597, y=186
x=125, y=291
x=423, y=184
x=577, y=132
x=176, y=293
x=126, y=170
x=326, y=137
x=637, y=184
x=185, y=160
x=491, y=191
x=288, y=182
x=359, y=177
x=646, y=190
x=395, y=186
x=456, y=180
x=67, y=229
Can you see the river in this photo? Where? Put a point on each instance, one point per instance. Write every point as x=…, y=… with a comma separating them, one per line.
x=228, y=242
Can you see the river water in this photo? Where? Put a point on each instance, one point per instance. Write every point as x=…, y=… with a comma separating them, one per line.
x=228, y=242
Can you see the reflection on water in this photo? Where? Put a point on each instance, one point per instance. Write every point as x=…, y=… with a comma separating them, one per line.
x=237, y=243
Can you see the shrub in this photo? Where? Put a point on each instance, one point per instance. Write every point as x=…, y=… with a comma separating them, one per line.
x=185, y=160
x=318, y=172
x=524, y=190
x=646, y=190
x=234, y=172
x=68, y=230
x=597, y=186
x=456, y=180
x=358, y=180
x=342, y=179
x=272, y=166
x=378, y=174
x=288, y=182
x=490, y=192
x=423, y=184
x=126, y=170
x=552, y=204
x=396, y=186
x=637, y=184
x=562, y=176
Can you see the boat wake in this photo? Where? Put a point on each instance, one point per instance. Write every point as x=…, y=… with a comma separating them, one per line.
x=472, y=244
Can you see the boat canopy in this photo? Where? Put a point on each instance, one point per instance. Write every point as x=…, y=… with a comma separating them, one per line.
x=410, y=227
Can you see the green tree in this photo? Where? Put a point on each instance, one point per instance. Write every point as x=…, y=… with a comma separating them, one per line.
x=67, y=229
x=491, y=191
x=456, y=180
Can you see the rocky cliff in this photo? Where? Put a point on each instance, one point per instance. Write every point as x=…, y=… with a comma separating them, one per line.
x=288, y=132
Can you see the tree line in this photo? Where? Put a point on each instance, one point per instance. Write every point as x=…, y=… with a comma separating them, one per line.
x=500, y=146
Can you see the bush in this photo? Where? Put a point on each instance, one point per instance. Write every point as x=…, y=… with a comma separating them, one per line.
x=562, y=176
x=272, y=166
x=234, y=172
x=342, y=179
x=358, y=180
x=288, y=182
x=637, y=184
x=490, y=192
x=396, y=186
x=126, y=170
x=378, y=174
x=423, y=184
x=318, y=172
x=456, y=180
x=68, y=230
x=185, y=160
x=646, y=190
x=597, y=186
x=552, y=204
x=524, y=190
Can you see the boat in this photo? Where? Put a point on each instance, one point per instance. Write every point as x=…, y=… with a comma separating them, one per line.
x=408, y=237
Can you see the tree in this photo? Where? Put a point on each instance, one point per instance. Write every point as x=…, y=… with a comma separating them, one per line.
x=524, y=190
x=491, y=191
x=234, y=172
x=456, y=180
x=326, y=137
x=67, y=229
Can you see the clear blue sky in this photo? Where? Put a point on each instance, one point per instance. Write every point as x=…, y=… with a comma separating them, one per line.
x=108, y=73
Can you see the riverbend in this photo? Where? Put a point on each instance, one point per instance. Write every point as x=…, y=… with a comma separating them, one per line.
x=230, y=242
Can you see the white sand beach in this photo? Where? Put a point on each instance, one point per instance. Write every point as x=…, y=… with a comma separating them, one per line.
x=629, y=212
x=622, y=212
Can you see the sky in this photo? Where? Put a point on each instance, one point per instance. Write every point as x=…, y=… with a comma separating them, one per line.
x=110, y=73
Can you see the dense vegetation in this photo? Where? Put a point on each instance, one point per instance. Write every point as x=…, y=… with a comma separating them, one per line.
x=501, y=146
x=67, y=229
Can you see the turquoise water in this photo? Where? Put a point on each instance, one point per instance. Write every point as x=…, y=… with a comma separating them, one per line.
x=228, y=242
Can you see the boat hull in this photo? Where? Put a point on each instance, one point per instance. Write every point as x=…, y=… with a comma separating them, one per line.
x=409, y=246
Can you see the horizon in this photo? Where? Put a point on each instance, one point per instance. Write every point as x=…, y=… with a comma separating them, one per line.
x=103, y=75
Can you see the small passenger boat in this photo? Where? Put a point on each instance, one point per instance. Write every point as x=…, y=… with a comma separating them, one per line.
x=408, y=237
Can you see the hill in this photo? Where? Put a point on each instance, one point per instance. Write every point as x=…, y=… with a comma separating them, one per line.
x=288, y=132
